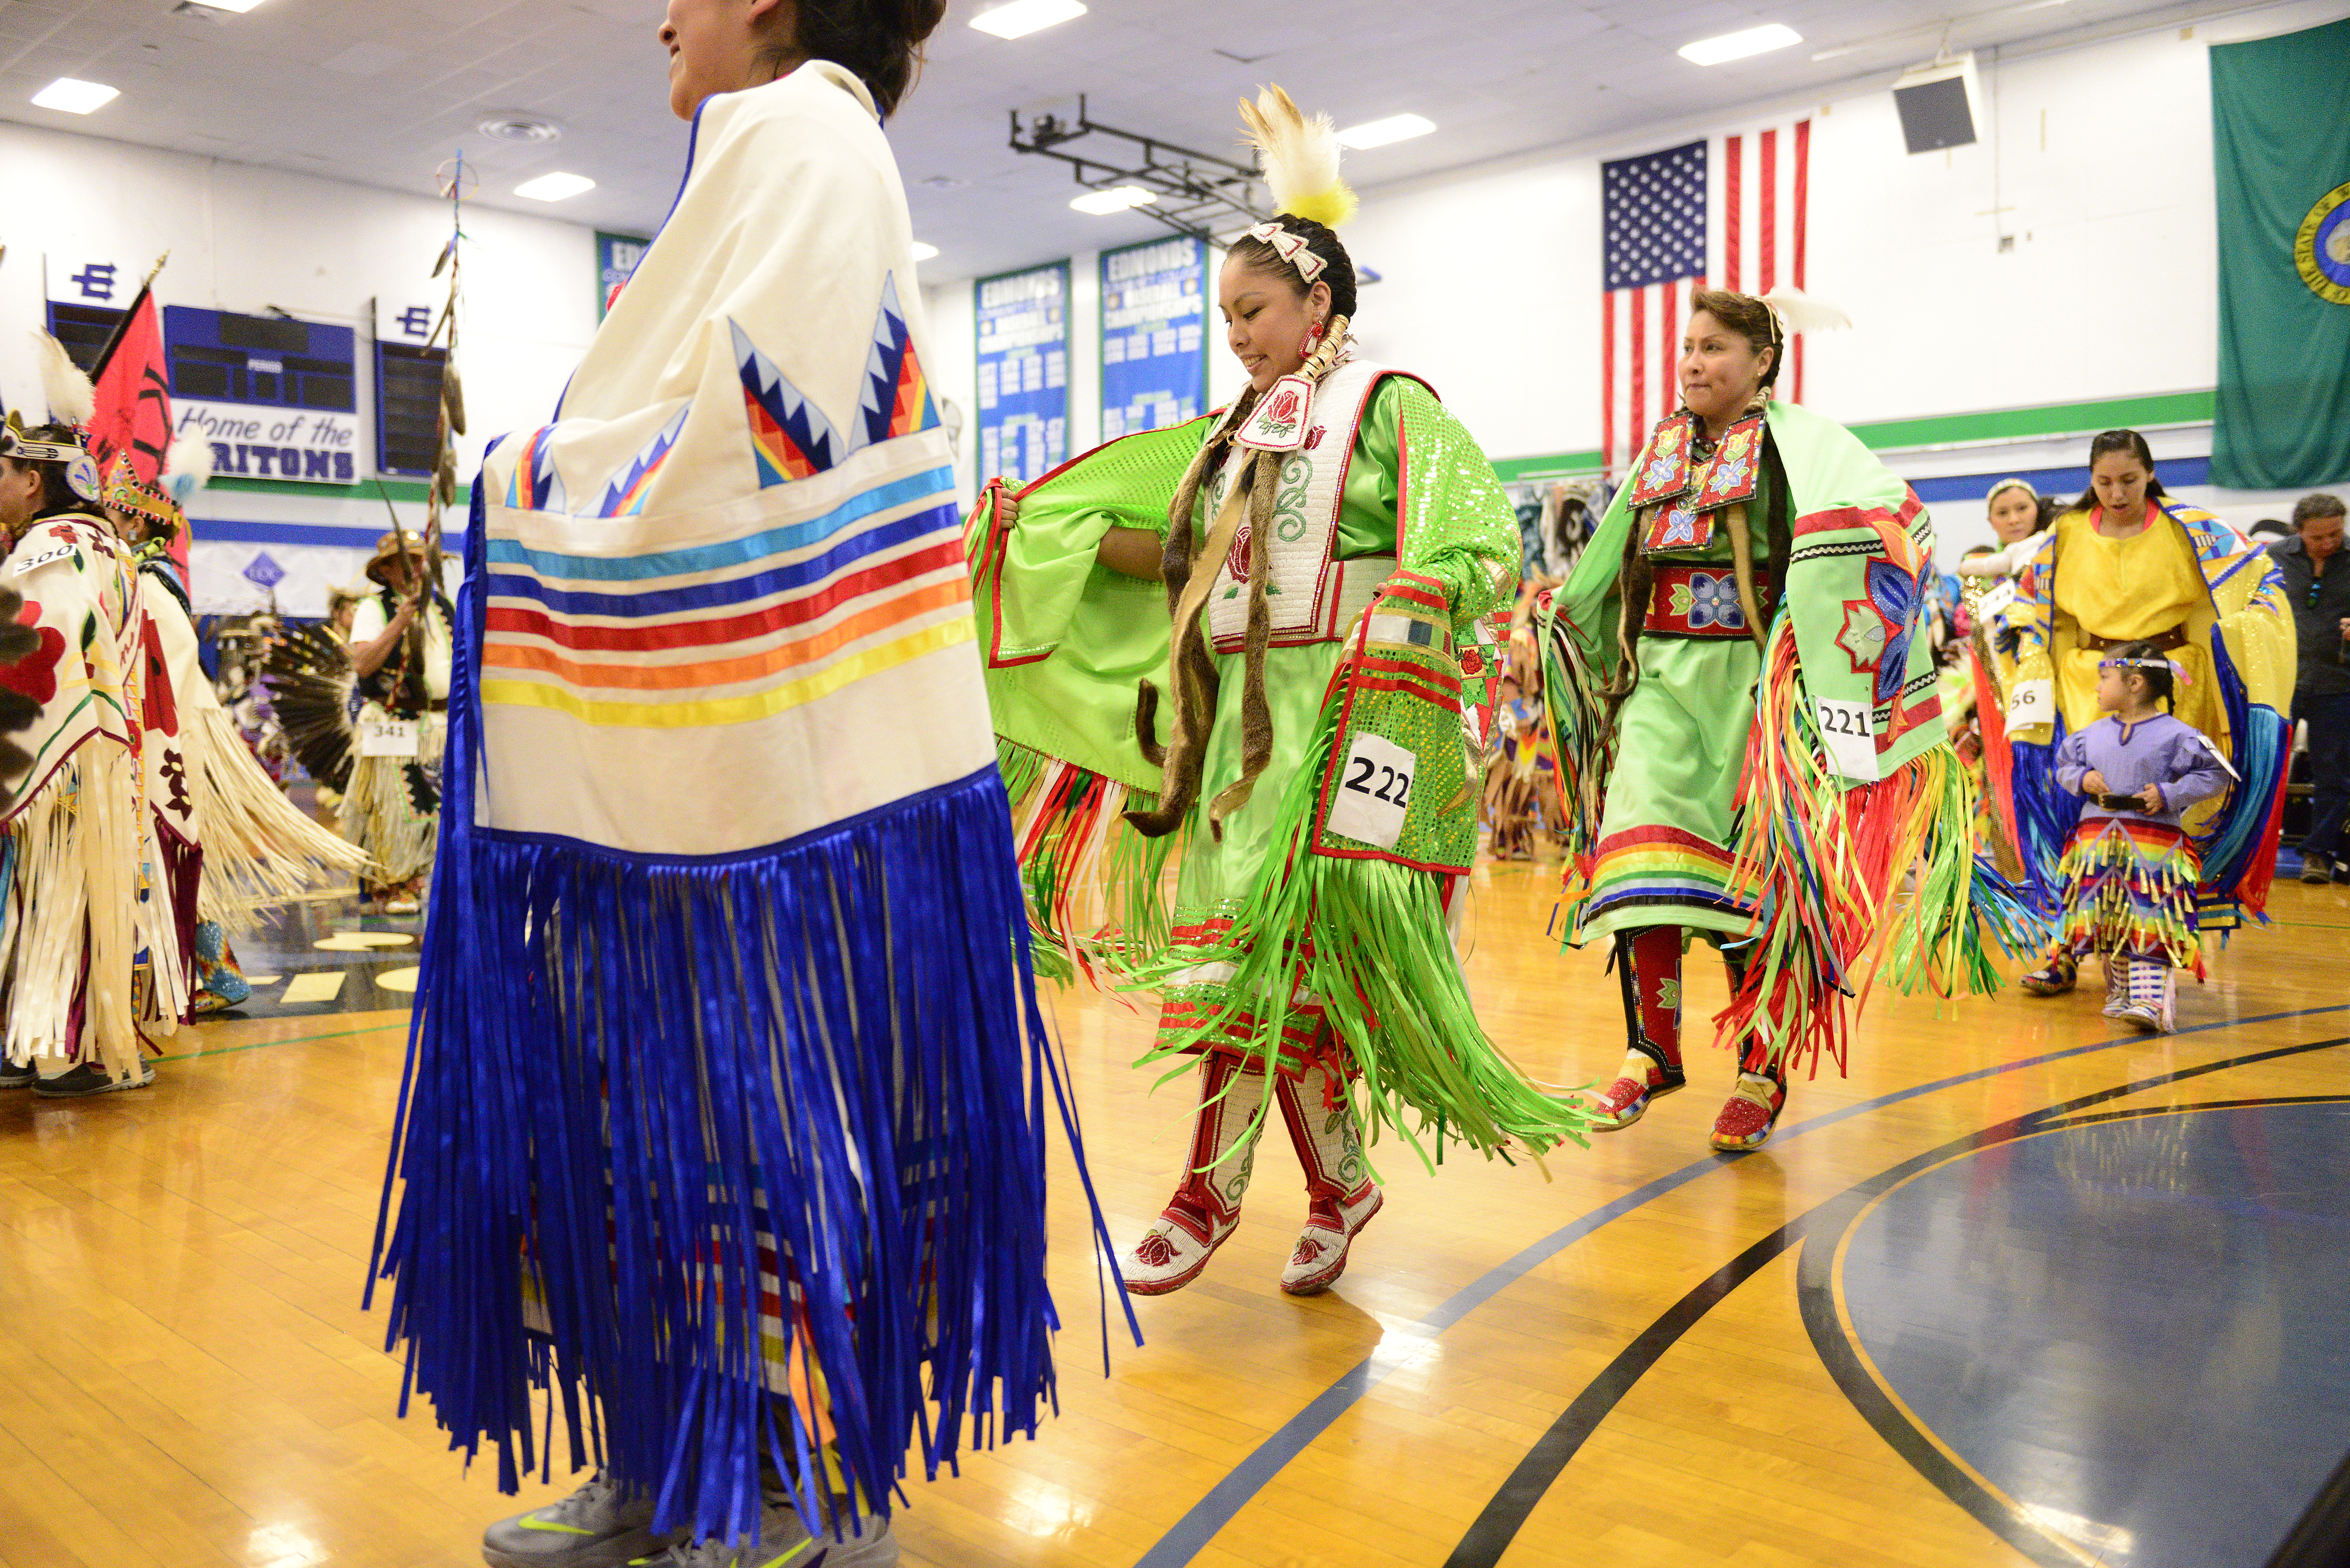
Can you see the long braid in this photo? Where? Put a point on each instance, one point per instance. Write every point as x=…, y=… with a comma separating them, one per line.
x=1195, y=679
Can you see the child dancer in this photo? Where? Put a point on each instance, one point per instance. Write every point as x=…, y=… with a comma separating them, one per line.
x=2130, y=871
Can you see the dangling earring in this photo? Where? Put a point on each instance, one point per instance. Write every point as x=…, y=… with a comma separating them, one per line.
x=1313, y=341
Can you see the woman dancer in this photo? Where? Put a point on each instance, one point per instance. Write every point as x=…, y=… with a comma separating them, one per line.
x=1749, y=732
x=2127, y=564
x=728, y=1076
x=1331, y=539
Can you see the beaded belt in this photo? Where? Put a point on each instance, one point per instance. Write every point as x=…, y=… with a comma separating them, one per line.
x=1698, y=601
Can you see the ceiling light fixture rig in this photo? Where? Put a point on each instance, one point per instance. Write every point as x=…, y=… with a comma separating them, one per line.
x=1195, y=193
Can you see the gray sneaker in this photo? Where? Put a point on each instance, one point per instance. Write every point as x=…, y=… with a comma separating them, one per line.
x=786, y=1544
x=599, y=1526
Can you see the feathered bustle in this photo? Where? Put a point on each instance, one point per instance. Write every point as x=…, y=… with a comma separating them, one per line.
x=65, y=386
x=1300, y=158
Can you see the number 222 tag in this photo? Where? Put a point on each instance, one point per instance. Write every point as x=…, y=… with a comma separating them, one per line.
x=1374, y=793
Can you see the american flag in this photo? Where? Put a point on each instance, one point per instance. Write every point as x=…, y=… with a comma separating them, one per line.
x=1658, y=247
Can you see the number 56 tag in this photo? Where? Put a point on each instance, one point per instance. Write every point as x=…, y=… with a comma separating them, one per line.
x=1851, y=738
x=1374, y=793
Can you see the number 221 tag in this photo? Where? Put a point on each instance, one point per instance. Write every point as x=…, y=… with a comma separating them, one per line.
x=1374, y=793
x=1849, y=731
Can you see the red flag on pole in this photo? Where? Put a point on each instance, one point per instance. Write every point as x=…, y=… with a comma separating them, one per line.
x=134, y=401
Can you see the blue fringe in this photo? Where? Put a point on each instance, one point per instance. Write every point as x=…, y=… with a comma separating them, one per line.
x=623, y=1069
x=2045, y=814
x=2263, y=750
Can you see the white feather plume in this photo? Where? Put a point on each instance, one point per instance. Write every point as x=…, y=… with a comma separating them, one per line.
x=1799, y=311
x=65, y=386
x=1300, y=156
x=188, y=467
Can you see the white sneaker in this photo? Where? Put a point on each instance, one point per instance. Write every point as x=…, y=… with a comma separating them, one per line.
x=1321, y=1253
x=599, y=1526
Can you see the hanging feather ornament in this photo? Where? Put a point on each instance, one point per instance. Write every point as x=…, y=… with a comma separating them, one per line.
x=65, y=386
x=1300, y=158
x=314, y=691
x=1799, y=312
x=188, y=468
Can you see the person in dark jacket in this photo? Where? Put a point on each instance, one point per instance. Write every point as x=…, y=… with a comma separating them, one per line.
x=2317, y=582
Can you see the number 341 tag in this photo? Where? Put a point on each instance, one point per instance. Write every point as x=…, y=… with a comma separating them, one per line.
x=387, y=738
x=1851, y=737
x=1374, y=793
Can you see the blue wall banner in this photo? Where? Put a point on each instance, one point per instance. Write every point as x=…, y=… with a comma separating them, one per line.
x=1024, y=373
x=616, y=256
x=1154, y=316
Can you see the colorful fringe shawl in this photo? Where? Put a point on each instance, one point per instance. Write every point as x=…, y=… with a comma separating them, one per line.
x=1828, y=859
x=2129, y=888
x=725, y=1051
x=1096, y=889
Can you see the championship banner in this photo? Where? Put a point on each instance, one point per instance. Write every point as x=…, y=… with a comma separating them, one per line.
x=1024, y=373
x=2281, y=154
x=1154, y=314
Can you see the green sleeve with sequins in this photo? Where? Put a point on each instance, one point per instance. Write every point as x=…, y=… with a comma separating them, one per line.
x=1461, y=529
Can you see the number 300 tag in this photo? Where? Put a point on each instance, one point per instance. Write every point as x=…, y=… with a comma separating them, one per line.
x=1374, y=793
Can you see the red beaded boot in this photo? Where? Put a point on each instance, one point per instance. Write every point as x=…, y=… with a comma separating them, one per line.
x=1649, y=964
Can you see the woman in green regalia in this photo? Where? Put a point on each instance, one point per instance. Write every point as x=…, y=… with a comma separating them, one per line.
x=1323, y=547
x=1749, y=735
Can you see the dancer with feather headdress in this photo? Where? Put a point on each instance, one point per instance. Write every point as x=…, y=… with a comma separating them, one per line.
x=1322, y=548
x=92, y=952
x=1750, y=736
x=241, y=846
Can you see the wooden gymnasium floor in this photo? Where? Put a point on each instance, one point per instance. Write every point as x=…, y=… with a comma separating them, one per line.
x=2025, y=1287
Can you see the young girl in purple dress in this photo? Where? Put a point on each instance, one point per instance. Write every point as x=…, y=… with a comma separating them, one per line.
x=2130, y=871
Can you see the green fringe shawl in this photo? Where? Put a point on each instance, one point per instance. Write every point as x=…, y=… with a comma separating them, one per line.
x=1366, y=939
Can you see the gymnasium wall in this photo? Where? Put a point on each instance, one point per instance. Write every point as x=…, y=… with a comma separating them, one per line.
x=245, y=239
x=2096, y=161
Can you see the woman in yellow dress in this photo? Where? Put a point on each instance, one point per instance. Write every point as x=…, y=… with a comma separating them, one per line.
x=2128, y=564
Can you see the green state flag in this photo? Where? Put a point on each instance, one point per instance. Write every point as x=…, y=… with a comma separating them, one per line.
x=2281, y=148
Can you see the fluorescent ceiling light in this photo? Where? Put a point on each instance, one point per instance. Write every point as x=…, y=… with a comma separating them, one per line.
x=1380, y=133
x=923, y=252
x=1020, y=17
x=240, y=6
x=1117, y=198
x=76, y=97
x=1738, y=45
x=554, y=187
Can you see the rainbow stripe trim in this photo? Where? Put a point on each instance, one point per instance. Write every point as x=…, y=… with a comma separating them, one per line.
x=1661, y=867
x=731, y=632
x=625, y=496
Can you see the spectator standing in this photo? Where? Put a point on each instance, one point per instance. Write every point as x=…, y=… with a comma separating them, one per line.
x=2317, y=582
